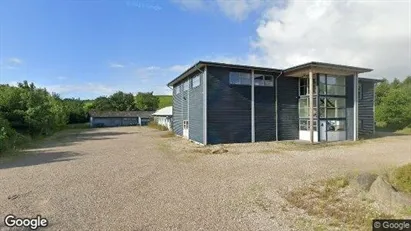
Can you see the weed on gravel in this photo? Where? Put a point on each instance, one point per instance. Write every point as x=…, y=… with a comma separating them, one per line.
x=335, y=204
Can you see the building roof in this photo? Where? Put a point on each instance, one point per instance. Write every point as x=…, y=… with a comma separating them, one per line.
x=125, y=114
x=166, y=111
x=327, y=66
x=371, y=79
x=201, y=64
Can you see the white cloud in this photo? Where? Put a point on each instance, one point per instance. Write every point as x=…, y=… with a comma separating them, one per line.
x=61, y=77
x=236, y=10
x=374, y=34
x=14, y=61
x=94, y=88
x=11, y=63
x=190, y=4
x=178, y=68
x=116, y=65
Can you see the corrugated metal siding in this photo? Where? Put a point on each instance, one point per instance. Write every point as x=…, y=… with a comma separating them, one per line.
x=228, y=108
x=177, y=112
x=288, y=108
x=366, y=108
x=114, y=122
x=349, y=103
x=264, y=107
x=196, y=112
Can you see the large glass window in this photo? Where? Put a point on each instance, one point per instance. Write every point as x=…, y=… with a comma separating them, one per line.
x=305, y=84
x=305, y=124
x=240, y=78
x=332, y=107
x=263, y=80
x=332, y=85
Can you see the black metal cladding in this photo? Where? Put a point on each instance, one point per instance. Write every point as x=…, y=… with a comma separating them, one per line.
x=349, y=105
x=228, y=108
x=177, y=111
x=264, y=111
x=288, y=120
x=366, y=108
x=196, y=112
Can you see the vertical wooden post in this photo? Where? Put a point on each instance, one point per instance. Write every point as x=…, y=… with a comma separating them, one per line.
x=311, y=95
x=355, y=107
x=252, y=108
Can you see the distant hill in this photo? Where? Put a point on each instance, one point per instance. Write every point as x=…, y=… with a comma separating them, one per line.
x=165, y=101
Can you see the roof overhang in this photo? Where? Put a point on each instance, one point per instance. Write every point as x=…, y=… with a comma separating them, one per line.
x=324, y=68
x=199, y=65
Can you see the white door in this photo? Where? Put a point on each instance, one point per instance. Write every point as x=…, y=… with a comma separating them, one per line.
x=185, y=129
x=323, y=130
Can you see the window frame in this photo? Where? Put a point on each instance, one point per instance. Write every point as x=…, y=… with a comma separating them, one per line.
x=186, y=85
x=241, y=77
x=264, y=80
x=195, y=79
x=360, y=91
x=178, y=89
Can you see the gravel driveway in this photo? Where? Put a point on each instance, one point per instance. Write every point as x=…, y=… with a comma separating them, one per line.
x=133, y=178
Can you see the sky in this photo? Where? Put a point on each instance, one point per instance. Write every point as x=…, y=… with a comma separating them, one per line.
x=90, y=48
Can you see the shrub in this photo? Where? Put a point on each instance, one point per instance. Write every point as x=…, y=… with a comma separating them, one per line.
x=401, y=178
x=157, y=126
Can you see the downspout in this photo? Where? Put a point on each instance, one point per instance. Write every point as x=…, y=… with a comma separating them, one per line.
x=276, y=106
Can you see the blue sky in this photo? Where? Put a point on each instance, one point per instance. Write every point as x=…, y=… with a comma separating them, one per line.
x=88, y=48
x=112, y=45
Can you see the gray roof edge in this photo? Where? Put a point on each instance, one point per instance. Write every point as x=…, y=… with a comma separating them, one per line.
x=200, y=63
x=322, y=64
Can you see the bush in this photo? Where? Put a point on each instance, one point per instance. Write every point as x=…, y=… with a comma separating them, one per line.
x=401, y=178
x=8, y=136
x=157, y=126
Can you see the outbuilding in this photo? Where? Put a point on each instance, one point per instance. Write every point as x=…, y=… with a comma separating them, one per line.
x=217, y=103
x=119, y=118
x=164, y=117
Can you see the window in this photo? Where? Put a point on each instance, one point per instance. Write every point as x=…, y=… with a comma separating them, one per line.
x=305, y=125
x=263, y=80
x=240, y=78
x=303, y=86
x=332, y=107
x=332, y=85
x=177, y=89
x=187, y=85
x=360, y=91
x=196, y=81
x=335, y=125
x=304, y=107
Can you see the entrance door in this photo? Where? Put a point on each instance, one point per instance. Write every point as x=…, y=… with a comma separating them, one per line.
x=323, y=130
x=185, y=128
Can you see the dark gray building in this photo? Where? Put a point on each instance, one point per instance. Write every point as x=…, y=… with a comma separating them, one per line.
x=119, y=118
x=224, y=103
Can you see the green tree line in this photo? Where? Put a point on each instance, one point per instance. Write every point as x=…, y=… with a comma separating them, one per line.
x=393, y=104
x=27, y=111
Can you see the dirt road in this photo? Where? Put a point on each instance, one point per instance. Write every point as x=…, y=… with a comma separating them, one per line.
x=132, y=178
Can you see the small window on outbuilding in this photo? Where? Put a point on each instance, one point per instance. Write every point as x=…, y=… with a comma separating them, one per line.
x=186, y=84
x=196, y=81
x=177, y=89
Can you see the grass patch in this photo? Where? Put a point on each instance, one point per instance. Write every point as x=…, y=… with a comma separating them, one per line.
x=78, y=126
x=329, y=200
x=405, y=131
x=401, y=178
x=167, y=135
x=154, y=125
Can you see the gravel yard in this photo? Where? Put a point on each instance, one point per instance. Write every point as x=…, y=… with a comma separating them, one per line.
x=137, y=178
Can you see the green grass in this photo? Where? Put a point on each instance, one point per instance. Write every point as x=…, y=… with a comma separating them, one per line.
x=401, y=178
x=328, y=201
x=405, y=131
x=165, y=101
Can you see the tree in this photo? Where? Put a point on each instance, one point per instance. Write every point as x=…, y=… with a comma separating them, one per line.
x=395, y=108
x=381, y=91
x=146, y=101
x=121, y=101
x=103, y=103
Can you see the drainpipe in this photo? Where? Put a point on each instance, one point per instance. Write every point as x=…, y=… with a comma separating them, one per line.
x=276, y=106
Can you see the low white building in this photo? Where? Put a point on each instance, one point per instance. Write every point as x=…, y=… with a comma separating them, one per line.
x=164, y=116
